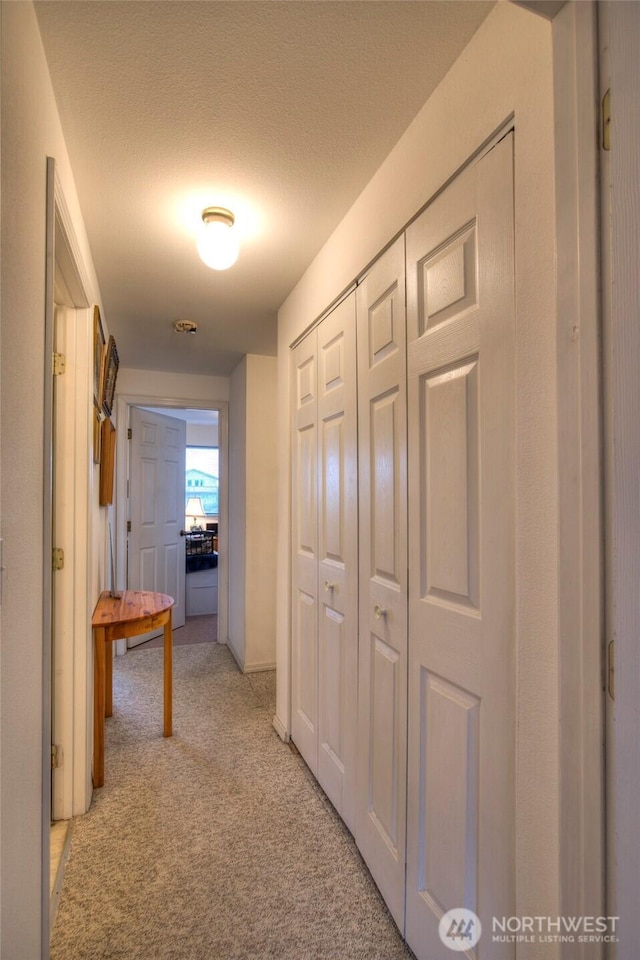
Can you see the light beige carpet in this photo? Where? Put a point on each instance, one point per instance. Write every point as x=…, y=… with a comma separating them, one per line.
x=216, y=844
x=202, y=629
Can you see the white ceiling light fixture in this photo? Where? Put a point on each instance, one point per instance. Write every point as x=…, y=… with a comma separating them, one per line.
x=217, y=243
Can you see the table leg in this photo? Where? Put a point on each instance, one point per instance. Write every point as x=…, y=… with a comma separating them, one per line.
x=108, y=680
x=99, y=644
x=168, y=687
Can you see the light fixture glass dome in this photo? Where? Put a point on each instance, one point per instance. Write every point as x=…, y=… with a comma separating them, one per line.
x=217, y=242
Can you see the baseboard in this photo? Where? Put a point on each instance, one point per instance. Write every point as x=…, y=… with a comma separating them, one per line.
x=250, y=667
x=259, y=667
x=56, y=886
x=280, y=729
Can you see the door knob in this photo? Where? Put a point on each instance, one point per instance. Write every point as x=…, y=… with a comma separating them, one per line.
x=329, y=586
x=379, y=611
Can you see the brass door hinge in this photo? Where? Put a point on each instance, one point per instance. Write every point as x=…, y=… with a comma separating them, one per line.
x=128, y=526
x=129, y=433
x=606, y=121
x=59, y=364
x=57, y=558
x=56, y=756
x=612, y=667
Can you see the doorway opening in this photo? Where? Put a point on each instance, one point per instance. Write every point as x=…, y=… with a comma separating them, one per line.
x=202, y=514
x=194, y=562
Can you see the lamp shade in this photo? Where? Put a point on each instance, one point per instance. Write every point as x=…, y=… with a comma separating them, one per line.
x=217, y=241
x=194, y=509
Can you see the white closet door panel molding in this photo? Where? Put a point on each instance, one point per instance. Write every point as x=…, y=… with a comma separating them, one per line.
x=461, y=406
x=382, y=679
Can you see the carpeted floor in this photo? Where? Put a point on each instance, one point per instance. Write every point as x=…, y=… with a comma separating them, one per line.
x=202, y=629
x=215, y=844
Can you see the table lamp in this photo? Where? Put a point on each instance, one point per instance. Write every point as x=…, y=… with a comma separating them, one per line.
x=194, y=512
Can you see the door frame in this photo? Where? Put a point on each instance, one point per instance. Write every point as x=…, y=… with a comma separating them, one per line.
x=580, y=458
x=71, y=631
x=66, y=271
x=619, y=37
x=124, y=402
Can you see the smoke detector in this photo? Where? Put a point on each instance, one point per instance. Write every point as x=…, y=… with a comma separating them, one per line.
x=185, y=326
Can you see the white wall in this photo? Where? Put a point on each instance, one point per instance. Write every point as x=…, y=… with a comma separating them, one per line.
x=505, y=70
x=31, y=131
x=261, y=504
x=181, y=387
x=252, y=512
x=237, y=507
x=202, y=435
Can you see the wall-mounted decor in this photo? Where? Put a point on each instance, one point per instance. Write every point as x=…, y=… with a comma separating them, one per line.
x=107, y=462
x=111, y=364
x=98, y=357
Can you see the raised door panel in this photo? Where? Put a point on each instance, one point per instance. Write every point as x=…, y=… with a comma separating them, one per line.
x=146, y=570
x=461, y=389
x=382, y=675
x=306, y=493
x=338, y=558
x=305, y=670
x=304, y=549
x=382, y=788
x=447, y=843
x=449, y=489
x=149, y=496
x=386, y=426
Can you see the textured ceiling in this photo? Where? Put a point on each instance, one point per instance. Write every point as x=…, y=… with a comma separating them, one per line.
x=281, y=111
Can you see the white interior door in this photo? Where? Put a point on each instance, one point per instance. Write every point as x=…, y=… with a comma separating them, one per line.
x=64, y=509
x=461, y=750
x=156, y=498
x=304, y=550
x=338, y=558
x=382, y=683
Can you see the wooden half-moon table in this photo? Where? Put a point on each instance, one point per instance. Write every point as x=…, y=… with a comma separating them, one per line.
x=116, y=618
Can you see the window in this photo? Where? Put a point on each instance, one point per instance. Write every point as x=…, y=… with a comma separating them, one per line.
x=202, y=478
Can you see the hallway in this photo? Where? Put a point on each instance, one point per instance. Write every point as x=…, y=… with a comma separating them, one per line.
x=216, y=844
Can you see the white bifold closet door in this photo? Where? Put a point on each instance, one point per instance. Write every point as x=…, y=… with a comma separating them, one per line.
x=382, y=682
x=324, y=555
x=461, y=404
